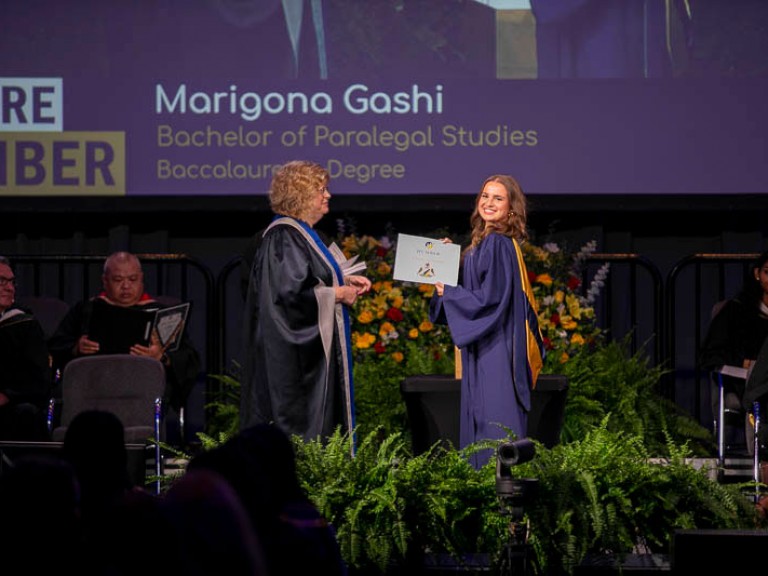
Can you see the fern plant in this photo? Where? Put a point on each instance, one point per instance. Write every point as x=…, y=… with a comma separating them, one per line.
x=390, y=507
x=604, y=494
x=609, y=381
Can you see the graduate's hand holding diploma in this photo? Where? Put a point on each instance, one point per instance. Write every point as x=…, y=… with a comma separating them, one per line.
x=439, y=286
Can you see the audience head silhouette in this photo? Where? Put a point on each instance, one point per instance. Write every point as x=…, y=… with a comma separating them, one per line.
x=95, y=445
x=260, y=464
x=212, y=525
x=40, y=492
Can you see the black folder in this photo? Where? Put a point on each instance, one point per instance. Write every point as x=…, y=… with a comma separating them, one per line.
x=117, y=328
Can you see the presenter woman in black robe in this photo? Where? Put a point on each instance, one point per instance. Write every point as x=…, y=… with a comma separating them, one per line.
x=298, y=363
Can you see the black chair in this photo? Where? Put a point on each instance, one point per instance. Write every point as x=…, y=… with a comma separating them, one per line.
x=48, y=310
x=131, y=387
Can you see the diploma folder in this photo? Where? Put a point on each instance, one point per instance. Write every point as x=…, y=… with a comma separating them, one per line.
x=117, y=328
x=426, y=260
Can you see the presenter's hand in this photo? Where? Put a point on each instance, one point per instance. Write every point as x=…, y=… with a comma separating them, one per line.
x=361, y=283
x=439, y=287
x=346, y=295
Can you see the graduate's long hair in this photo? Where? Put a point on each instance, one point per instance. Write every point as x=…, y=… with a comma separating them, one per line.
x=514, y=225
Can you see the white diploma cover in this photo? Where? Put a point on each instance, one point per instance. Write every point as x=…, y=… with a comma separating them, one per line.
x=426, y=260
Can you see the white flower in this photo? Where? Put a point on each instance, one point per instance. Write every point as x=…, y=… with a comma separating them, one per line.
x=551, y=247
x=597, y=283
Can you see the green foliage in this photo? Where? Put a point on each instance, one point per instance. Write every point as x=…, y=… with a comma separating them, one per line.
x=601, y=494
x=223, y=409
x=608, y=381
x=389, y=506
x=604, y=494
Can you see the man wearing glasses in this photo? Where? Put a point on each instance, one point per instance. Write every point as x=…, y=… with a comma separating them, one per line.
x=25, y=378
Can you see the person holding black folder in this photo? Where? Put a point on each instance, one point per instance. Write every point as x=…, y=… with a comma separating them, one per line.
x=121, y=320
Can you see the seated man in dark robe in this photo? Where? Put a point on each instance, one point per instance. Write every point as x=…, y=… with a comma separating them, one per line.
x=25, y=377
x=123, y=282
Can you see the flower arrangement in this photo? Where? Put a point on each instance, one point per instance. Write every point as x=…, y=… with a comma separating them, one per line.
x=392, y=323
x=566, y=311
x=394, y=319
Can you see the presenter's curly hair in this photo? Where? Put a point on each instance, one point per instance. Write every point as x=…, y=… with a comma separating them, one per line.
x=294, y=186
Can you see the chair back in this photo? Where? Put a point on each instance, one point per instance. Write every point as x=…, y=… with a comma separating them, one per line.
x=48, y=310
x=131, y=387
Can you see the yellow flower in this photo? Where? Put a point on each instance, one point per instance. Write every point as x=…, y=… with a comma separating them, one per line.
x=363, y=341
x=559, y=296
x=413, y=333
x=564, y=358
x=386, y=328
x=574, y=307
x=427, y=289
x=365, y=317
x=544, y=279
x=397, y=301
x=577, y=339
x=568, y=323
x=383, y=269
x=425, y=326
x=398, y=357
x=371, y=241
x=349, y=244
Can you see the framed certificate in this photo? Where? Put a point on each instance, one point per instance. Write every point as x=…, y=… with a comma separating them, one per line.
x=426, y=260
x=170, y=323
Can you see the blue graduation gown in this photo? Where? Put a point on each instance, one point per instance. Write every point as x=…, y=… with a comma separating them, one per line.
x=492, y=319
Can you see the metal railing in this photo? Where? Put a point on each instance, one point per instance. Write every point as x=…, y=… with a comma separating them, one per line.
x=630, y=305
x=666, y=319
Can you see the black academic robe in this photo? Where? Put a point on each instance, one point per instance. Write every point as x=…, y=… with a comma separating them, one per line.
x=25, y=375
x=297, y=371
x=735, y=334
x=180, y=373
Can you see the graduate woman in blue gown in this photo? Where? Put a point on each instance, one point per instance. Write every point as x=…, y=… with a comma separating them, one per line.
x=493, y=319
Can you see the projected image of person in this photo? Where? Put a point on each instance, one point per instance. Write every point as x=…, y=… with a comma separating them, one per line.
x=492, y=317
x=605, y=39
x=298, y=372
